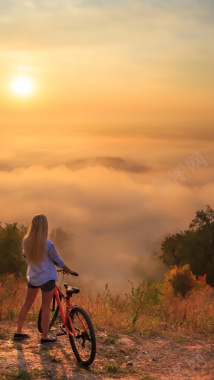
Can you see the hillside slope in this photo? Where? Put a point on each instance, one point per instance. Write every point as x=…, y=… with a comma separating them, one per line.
x=167, y=356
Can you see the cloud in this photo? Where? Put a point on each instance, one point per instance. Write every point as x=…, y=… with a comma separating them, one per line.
x=116, y=223
x=145, y=29
x=115, y=163
x=122, y=65
x=6, y=167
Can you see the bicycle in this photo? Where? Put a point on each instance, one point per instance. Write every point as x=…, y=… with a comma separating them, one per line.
x=76, y=323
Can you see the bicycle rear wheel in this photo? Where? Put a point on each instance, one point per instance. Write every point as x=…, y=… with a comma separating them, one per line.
x=53, y=315
x=84, y=344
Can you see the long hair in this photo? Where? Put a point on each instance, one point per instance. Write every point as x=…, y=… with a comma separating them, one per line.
x=35, y=242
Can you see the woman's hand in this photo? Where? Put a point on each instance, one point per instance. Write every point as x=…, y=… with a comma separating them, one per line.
x=69, y=271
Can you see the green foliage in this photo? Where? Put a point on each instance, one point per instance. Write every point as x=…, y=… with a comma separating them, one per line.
x=143, y=298
x=11, y=237
x=105, y=298
x=11, y=259
x=115, y=368
x=25, y=374
x=202, y=219
x=181, y=280
x=147, y=308
x=194, y=246
x=111, y=338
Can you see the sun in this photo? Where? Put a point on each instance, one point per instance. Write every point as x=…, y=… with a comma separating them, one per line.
x=22, y=86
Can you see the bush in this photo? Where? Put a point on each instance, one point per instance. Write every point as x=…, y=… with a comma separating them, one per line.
x=11, y=237
x=181, y=280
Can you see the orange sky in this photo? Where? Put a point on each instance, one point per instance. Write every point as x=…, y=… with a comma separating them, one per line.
x=123, y=94
x=103, y=66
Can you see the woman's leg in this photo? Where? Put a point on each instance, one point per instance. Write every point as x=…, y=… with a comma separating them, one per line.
x=30, y=298
x=45, y=318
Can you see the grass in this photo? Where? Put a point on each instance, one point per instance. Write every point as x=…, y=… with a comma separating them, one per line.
x=4, y=334
x=117, y=369
x=12, y=290
x=111, y=338
x=146, y=377
x=147, y=309
x=24, y=374
x=54, y=359
x=113, y=369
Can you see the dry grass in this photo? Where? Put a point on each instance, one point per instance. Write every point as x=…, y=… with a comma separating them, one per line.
x=195, y=311
x=12, y=296
x=145, y=309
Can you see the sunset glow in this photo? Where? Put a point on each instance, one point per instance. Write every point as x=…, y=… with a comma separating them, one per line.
x=22, y=86
x=104, y=105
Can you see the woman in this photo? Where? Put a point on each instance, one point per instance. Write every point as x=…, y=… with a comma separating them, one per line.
x=41, y=257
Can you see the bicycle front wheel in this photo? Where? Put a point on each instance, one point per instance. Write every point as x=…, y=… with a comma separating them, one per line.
x=53, y=315
x=84, y=343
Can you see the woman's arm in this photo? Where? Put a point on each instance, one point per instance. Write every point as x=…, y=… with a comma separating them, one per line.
x=69, y=271
x=57, y=260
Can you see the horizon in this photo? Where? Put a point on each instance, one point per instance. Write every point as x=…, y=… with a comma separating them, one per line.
x=110, y=133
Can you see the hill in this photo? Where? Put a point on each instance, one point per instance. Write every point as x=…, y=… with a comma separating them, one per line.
x=168, y=355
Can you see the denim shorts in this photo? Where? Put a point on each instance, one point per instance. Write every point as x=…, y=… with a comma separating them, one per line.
x=46, y=287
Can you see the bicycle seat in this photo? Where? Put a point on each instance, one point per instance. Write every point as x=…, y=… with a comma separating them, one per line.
x=71, y=290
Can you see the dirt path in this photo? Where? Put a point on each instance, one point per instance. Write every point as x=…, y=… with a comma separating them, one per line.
x=166, y=356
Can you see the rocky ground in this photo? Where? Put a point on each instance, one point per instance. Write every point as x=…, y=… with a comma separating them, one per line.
x=168, y=355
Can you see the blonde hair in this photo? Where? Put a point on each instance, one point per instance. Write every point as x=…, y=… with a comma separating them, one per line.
x=35, y=242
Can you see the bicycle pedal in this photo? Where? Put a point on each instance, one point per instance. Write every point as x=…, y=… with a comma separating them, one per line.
x=62, y=333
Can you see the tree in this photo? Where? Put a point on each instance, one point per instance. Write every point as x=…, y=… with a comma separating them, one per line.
x=11, y=259
x=11, y=237
x=202, y=219
x=194, y=246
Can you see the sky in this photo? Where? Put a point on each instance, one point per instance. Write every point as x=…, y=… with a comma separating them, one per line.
x=115, y=143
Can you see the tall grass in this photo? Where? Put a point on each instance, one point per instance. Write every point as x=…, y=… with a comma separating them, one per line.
x=12, y=295
x=145, y=308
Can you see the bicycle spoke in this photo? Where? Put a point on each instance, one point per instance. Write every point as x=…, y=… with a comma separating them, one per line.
x=84, y=344
x=83, y=338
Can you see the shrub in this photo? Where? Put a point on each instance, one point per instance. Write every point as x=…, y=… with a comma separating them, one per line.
x=181, y=280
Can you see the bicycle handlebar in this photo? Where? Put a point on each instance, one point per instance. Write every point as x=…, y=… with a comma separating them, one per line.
x=64, y=272
x=75, y=274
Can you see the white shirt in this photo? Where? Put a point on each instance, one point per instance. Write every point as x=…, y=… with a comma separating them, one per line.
x=38, y=274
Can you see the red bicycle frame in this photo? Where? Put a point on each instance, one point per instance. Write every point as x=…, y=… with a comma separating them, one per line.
x=66, y=317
